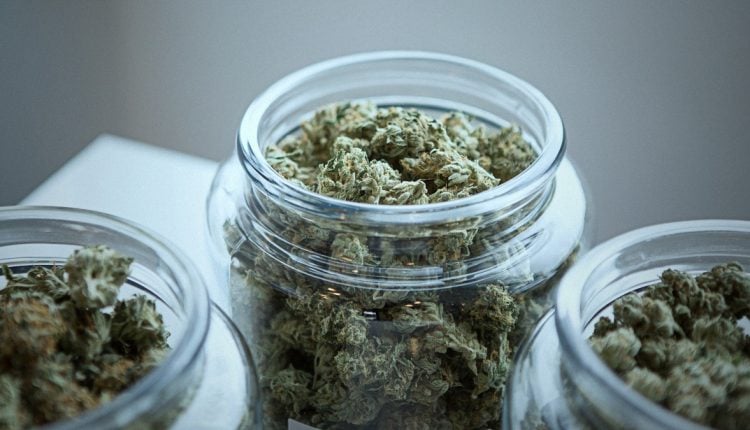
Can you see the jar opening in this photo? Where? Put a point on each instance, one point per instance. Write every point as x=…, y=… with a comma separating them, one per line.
x=426, y=80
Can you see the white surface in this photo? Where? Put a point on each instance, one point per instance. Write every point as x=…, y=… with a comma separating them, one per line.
x=160, y=189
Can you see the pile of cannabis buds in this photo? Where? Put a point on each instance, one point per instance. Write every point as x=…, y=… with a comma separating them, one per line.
x=396, y=156
x=679, y=344
x=431, y=359
x=61, y=352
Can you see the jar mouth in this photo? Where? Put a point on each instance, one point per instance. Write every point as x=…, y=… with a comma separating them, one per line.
x=591, y=285
x=425, y=66
x=47, y=225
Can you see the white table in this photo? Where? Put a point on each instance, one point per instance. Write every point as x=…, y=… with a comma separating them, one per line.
x=161, y=189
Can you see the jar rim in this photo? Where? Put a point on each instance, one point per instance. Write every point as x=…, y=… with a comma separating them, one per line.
x=569, y=323
x=504, y=195
x=135, y=400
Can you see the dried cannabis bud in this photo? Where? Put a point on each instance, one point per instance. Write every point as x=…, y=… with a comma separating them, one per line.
x=62, y=352
x=344, y=355
x=398, y=156
x=679, y=344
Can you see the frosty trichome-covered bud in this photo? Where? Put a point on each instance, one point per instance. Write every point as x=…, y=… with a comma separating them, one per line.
x=680, y=344
x=62, y=353
x=396, y=156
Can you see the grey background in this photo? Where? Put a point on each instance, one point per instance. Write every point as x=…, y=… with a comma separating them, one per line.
x=655, y=95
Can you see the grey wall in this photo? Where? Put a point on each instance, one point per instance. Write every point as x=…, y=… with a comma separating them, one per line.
x=655, y=95
x=55, y=87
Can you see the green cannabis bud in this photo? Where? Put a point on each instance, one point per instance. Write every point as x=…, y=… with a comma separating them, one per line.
x=679, y=344
x=398, y=156
x=62, y=352
x=343, y=355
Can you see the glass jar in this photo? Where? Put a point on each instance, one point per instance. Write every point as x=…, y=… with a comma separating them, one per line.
x=558, y=380
x=207, y=380
x=367, y=316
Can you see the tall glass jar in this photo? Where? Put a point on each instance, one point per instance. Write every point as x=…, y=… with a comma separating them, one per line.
x=367, y=316
x=207, y=380
x=559, y=382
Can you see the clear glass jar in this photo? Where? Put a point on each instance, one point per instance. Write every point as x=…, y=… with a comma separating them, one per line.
x=208, y=379
x=558, y=380
x=281, y=248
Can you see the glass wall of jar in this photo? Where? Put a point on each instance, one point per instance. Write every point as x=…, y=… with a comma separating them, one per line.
x=367, y=316
x=208, y=378
x=559, y=382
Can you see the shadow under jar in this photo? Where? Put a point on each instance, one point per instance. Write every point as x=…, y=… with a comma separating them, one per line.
x=372, y=316
x=559, y=381
x=206, y=381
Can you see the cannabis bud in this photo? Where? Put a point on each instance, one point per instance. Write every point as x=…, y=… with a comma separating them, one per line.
x=679, y=344
x=62, y=353
x=397, y=156
x=356, y=353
